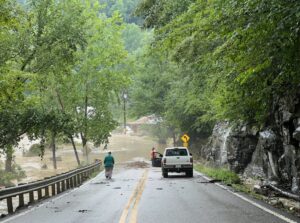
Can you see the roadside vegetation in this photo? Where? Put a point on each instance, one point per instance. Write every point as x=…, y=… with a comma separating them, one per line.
x=216, y=60
x=7, y=178
x=226, y=176
x=233, y=180
x=63, y=66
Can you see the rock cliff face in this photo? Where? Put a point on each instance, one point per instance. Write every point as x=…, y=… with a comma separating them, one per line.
x=271, y=153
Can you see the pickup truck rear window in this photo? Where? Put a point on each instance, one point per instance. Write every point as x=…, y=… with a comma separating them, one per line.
x=176, y=152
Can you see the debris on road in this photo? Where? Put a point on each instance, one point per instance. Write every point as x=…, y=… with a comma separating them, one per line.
x=137, y=164
x=84, y=211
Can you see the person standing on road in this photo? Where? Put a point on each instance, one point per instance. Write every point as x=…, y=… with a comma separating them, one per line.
x=109, y=162
x=153, y=155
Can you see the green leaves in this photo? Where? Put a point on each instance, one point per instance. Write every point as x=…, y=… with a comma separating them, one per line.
x=56, y=58
x=233, y=58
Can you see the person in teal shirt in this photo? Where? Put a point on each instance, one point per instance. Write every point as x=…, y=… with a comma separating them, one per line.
x=109, y=162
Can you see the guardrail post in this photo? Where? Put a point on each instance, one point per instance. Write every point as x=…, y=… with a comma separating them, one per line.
x=21, y=200
x=53, y=190
x=68, y=183
x=63, y=185
x=75, y=180
x=58, y=187
x=31, y=197
x=71, y=182
x=47, y=191
x=10, y=208
x=40, y=195
x=78, y=179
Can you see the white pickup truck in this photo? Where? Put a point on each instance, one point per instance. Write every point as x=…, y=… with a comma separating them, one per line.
x=177, y=159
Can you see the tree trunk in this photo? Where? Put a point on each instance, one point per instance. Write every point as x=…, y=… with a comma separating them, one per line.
x=284, y=193
x=75, y=150
x=174, y=138
x=70, y=136
x=124, y=110
x=84, y=146
x=84, y=133
x=9, y=158
x=53, y=150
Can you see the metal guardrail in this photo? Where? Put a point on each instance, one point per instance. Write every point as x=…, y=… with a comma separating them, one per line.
x=58, y=184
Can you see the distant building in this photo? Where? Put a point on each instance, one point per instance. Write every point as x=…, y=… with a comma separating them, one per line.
x=145, y=120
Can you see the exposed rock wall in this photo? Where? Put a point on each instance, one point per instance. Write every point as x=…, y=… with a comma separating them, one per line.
x=271, y=153
x=231, y=145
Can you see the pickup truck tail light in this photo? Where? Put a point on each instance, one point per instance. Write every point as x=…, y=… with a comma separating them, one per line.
x=191, y=159
x=164, y=160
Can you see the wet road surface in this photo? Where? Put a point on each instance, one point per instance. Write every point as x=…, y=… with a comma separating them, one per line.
x=141, y=195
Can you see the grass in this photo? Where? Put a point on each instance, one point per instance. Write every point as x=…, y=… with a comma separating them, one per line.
x=247, y=190
x=6, y=178
x=224, y=175
x=228, y=177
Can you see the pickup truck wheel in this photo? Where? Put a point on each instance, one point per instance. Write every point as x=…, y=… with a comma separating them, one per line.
x=165, y=173
x=189, y=173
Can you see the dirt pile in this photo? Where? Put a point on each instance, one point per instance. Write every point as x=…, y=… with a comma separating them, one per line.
x=137, y=164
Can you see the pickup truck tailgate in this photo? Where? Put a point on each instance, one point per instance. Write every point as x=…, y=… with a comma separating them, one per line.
x=174, y=160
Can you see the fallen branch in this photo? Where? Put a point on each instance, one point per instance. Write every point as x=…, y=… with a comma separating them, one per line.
x=284, y=193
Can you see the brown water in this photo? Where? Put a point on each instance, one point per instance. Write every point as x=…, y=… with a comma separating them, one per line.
x=124, y=148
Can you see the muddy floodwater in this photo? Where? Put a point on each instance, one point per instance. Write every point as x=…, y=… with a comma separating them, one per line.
x=124, y=148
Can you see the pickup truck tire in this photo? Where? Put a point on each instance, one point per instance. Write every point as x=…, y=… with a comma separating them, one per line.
x=165, y=173
x=189, y=173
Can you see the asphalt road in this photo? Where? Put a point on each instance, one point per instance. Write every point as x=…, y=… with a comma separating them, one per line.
x=142, y=195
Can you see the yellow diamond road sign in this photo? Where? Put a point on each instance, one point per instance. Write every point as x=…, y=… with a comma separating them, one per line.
x=185, y=138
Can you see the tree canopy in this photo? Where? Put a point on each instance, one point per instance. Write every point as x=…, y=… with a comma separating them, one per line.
x=65, y=64
x=61, y=64
x=233, y=59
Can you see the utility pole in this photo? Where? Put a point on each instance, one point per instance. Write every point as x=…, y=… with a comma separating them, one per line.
x=124, y=110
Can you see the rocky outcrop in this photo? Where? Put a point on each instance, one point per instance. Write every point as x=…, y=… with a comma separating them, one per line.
x=231, y=145
x=271, y=153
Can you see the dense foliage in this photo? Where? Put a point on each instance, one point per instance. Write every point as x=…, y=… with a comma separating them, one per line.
x=65, y=64
x=61, y=65
x=124, y=7
x=228, y=59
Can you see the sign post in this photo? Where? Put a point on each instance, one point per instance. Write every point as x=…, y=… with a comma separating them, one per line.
x=185, y=144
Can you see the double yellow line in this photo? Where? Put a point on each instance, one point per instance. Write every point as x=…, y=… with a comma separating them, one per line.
x=134, y=200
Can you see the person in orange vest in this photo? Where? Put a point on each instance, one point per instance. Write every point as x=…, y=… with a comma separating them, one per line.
x=153, y=155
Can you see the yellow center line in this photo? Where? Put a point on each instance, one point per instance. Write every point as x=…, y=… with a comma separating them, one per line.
x=134, y=211
x=134, y=199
